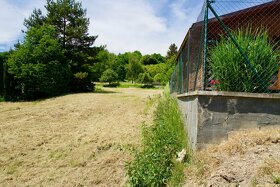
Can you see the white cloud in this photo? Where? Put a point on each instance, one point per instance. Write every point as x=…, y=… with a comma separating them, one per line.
x=10, y=23
x=12, y=17
x=127, y=25
x=123, y=25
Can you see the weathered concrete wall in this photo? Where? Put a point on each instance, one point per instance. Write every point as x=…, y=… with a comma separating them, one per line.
x=189, y=108
x=210, y=116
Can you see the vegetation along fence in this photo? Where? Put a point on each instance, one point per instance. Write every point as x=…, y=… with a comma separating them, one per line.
x=233, y=46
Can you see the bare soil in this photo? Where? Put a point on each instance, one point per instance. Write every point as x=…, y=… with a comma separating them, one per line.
x=73, y=140
x=248, y=158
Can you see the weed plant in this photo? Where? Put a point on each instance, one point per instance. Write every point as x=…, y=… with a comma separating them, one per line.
x=276, y=179
x=155, y=164
x=229, y=67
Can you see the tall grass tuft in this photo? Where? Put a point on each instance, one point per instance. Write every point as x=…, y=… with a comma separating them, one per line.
x=230, y=69
x=155, y=164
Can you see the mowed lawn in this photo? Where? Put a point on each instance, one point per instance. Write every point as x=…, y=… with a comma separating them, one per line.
x=73, y=140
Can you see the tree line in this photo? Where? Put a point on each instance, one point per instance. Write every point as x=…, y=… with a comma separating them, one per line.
x=58, y=56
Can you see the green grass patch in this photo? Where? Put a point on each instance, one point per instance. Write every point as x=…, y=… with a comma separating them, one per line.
x=276, y=179
x=155, y=164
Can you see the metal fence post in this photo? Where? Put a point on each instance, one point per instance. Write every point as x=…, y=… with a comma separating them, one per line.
x=205, y=44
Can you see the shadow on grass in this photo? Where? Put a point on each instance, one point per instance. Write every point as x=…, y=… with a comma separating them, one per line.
x=44, y=98
x=104, y=92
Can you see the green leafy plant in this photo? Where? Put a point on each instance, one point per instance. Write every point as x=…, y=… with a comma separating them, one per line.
x=154, y=164
x=276, y=179
x=145, y=78
x=109, y=76
x=38, y=65
x=229, y=67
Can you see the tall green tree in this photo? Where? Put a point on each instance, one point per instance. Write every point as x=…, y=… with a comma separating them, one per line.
x=173, y=50
x=133, y=69
x=102, y=61
x=120, y=66
x=152, y=59
x=122, y=61
x=69, y=19
x=38, y=65
x=36, y=19
x=71, y=26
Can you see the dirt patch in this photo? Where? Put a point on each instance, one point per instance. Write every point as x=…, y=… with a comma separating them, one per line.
x=249, y=158
x=74, y=140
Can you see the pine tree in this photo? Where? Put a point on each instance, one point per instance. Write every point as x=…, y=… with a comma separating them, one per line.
x=173, y=50
x=71, y=25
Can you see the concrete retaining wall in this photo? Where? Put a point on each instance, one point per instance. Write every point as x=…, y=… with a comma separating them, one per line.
x=210, y=116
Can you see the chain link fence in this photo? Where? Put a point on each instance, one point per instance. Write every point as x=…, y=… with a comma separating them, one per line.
x=234, y=46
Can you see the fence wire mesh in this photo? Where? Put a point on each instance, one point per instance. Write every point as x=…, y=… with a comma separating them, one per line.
x=234, y=46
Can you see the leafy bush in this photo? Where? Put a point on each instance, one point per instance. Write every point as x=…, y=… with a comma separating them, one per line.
x=154, y=164
x=230, y=69
x=145, y=78
x=37, y=66
x=109, y=76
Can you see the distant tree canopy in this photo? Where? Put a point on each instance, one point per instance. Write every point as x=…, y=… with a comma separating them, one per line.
x=152, y=59
x=173, y=50
x=133, y=68
x=57, y=56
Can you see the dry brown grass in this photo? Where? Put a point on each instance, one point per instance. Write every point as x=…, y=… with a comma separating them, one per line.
x=74, y=140
x=247, y=158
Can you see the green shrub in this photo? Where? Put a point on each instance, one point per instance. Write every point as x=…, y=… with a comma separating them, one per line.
x=154, y=164
x=230, y=69
x=37, y=67
x=276, y=179
x=145, y=78
x=109, y=76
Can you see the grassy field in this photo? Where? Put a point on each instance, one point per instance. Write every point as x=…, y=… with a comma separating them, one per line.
x=73, y=140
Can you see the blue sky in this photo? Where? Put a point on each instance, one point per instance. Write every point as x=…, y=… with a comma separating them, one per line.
x=149, y=26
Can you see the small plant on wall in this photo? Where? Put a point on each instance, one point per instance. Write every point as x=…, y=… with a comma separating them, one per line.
x=229, y=67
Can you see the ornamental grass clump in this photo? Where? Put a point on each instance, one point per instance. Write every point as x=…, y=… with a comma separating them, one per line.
x=229, y=67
